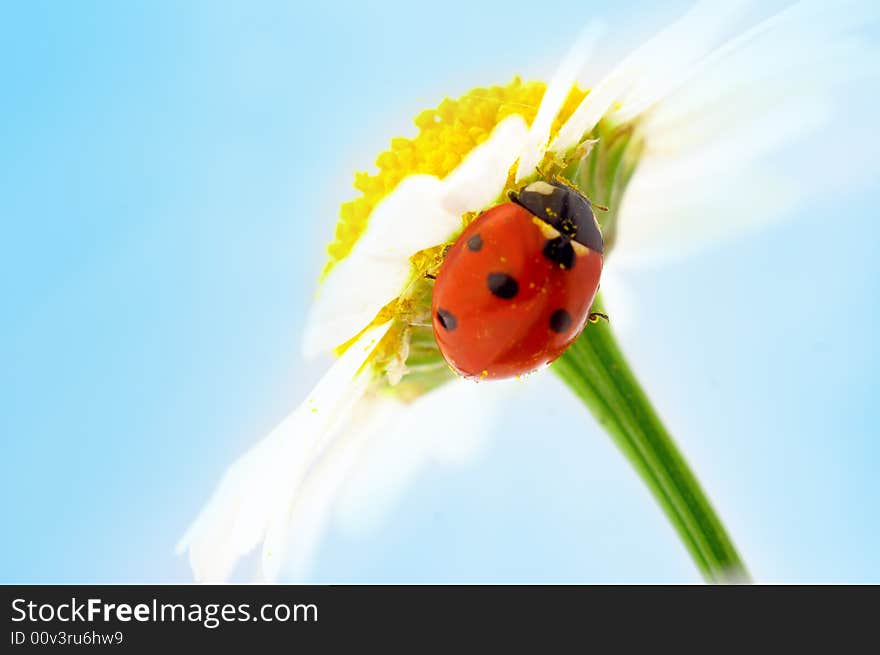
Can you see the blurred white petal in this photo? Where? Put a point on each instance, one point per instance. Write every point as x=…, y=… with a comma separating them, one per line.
x=449, y=426
x=618, y=299
x=257, y=491
x=291, y=543
x=376, y=452
x=652, y=69
x=762, y=125
x=421, y=212
x=554, y=97
x=737, y=202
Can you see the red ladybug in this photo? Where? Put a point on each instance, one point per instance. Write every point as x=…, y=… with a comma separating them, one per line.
x=516, y=287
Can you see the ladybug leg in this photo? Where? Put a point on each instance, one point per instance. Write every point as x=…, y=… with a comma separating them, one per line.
x=595, y=316
x=430, y=276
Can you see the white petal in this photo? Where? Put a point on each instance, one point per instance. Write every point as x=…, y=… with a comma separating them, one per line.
x=763, y=125
x=291, y=545
x=554, y=97
x=417, y=441
x=375, y=455
x=480, y=178
x=656, y=228
x=258, y=488
x=618, y=297
x=421, y=212
x=806, y=49
x=652, y=69
x=409, y=219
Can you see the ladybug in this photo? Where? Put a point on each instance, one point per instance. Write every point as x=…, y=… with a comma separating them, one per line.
x=516, y=287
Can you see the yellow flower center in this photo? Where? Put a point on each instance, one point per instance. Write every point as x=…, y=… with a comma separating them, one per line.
x=446, y=135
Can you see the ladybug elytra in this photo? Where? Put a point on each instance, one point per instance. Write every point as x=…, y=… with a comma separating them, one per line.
x=516, y=287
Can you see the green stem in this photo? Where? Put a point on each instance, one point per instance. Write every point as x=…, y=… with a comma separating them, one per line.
x=596, y=370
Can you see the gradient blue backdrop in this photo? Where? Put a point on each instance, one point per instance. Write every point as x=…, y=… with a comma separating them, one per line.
x=168, y=173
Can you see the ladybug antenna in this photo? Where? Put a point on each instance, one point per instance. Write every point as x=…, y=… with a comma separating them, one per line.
x=600, y=207
x=564, y=181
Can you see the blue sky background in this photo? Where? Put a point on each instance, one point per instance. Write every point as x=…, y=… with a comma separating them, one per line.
x=168, y=174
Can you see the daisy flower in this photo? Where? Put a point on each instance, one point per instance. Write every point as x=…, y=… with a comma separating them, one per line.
x=667, y=141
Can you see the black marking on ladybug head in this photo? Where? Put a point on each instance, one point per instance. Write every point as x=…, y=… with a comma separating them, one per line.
x=560, y=321
x=475, y=243
x=560, y=251
x=563, y=207
x=446, y=319
x=502, y=285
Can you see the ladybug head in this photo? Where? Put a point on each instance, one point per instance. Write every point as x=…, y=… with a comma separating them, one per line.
x=563, y=207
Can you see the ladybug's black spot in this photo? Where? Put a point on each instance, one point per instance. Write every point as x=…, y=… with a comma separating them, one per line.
x=475, y=243
x=502, y=285
x=560, y=251
x=446, y=319
x=560, y=321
